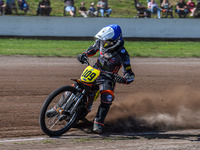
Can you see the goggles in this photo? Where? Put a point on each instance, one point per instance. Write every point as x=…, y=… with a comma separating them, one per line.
x=106, y=44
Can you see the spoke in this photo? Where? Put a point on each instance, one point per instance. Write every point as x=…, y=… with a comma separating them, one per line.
x=52, y=121
x=54, y=124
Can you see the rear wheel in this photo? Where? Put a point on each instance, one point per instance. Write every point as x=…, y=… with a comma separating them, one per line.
x=54, y=119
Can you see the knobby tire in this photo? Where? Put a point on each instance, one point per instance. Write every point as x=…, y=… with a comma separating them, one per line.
x=73, y=120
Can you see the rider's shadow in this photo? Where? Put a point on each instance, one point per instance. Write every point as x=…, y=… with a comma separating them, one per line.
x=122, y=125
x=133, y=127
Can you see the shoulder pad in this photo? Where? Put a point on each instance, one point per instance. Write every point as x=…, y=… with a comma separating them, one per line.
x=124, y=56
x=123, y=52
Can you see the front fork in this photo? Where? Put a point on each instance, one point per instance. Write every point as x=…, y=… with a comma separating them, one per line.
x=68, y=106
x=77, y=99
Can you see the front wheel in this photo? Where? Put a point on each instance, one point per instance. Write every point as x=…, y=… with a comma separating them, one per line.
x=54, y=118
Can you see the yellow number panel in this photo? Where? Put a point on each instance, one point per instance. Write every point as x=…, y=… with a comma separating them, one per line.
x=90, y=74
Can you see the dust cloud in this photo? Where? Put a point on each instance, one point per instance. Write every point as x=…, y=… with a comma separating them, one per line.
x=173, y=109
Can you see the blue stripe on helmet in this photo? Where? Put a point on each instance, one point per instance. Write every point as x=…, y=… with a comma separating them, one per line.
x=117, y=31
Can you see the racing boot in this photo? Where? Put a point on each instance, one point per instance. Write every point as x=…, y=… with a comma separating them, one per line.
x=100, y=117
x=97, y=128
x=51, y=112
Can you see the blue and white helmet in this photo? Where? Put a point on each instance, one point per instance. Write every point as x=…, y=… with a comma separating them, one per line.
x=110, y=37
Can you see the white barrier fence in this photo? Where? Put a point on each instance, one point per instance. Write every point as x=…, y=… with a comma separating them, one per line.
x=88, y=27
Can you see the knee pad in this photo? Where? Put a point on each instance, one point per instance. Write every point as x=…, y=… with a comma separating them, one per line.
x=107, y=97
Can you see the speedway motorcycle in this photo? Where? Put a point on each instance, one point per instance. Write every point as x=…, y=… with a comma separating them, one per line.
x=67, y=104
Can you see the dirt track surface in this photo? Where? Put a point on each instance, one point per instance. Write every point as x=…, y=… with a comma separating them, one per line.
x=164, y=96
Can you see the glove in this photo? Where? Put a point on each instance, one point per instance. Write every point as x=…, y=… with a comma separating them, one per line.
x=82, y=57
x=130, y=77
x=120, y=79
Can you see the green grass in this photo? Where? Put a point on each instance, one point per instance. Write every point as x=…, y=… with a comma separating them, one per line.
x=121, y=8
x=65, y=48
x=42, y=47
x=47, y=141
x=108, y=139
x=18, y=143
x=163, y=49
x=84, y=140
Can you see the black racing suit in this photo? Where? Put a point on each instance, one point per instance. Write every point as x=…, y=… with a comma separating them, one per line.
x=112, y=64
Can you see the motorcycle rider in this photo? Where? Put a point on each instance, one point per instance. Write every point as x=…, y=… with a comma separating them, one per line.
x=112, y=56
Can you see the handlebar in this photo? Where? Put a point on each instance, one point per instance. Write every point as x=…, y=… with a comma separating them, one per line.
x=86, y=61
x=108, y=74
